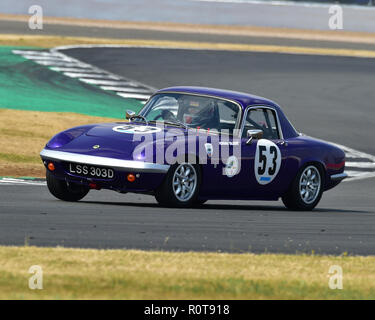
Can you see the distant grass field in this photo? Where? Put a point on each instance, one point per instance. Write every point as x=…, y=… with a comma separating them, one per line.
x=23, y=134
x=130, y=274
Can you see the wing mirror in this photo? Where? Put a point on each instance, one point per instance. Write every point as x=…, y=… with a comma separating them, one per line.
x=129, y=114
x=254, y=134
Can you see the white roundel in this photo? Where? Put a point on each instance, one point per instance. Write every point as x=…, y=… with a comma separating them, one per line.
x=231, y=167
x=267, y=161
x=131, y=129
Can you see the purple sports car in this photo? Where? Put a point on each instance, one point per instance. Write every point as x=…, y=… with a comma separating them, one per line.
x=190, y=144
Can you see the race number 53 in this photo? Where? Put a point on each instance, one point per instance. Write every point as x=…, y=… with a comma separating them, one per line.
x=267, y=161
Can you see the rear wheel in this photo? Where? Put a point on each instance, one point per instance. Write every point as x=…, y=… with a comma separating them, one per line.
x=180, y=187
x=306, y=190
x=65, y=191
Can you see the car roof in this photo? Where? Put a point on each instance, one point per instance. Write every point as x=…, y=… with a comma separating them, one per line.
x=245, y=99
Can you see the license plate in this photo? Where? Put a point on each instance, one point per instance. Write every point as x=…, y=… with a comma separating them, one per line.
x=91, y=171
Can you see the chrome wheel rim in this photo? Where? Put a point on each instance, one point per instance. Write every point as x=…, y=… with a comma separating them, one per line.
x=184, y=182
x=309, y=184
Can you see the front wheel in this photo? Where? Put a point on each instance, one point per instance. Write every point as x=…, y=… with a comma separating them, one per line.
x=65, y=191
x=306, y=190
x=180, y=187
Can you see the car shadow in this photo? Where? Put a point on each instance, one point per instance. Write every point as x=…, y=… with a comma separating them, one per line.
x=225, y=207
x=270, y=208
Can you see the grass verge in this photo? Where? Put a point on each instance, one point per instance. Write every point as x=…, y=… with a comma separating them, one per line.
x=23, y=134
x=27, y=85
x=131, y=274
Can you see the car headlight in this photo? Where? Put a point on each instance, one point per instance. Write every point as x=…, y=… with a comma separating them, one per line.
x=65, y=137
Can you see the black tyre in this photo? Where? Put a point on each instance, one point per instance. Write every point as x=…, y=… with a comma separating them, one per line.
x=64, y=191
x=180, y=187
x=306, y=189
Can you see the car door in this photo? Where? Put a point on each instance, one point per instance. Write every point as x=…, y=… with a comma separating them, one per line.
x=262, y=160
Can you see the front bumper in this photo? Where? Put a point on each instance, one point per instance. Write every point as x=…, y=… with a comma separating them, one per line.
x=125, y=165
x=148, y=175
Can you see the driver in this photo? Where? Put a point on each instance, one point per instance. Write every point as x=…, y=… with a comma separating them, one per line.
x=196, y=114
x=191, y=113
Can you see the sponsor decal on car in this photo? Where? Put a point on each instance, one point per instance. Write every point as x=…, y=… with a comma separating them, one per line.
x=209, y=149
x=131, y=129
x=231, y=167
x=267, y=161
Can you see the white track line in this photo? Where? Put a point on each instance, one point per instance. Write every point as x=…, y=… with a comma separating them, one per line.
x=12, y=181
x=123, y=79
x=90, y=75
x=87, y=73
x=354, y=153
x=365, y=165
x=368, y=164
x=125, y=89
x=357, y=175
x=38, y=53
x=109, y=82
x=47, y=58
x=134, y=95
x=60, y=64
x=63, y=69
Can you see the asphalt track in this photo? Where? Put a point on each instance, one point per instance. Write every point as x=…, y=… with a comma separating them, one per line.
x=343, y=222
x=327, y=97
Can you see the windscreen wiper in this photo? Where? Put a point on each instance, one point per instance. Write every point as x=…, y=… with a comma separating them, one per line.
x=177, y=122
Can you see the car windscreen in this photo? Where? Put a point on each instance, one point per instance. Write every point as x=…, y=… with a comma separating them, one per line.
x=193, y=111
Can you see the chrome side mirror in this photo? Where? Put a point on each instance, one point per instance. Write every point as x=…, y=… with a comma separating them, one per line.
x=129, y=114
x=254, y=134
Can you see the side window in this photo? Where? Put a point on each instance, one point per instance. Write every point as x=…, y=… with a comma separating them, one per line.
x=263, y=119
x=228, y=113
